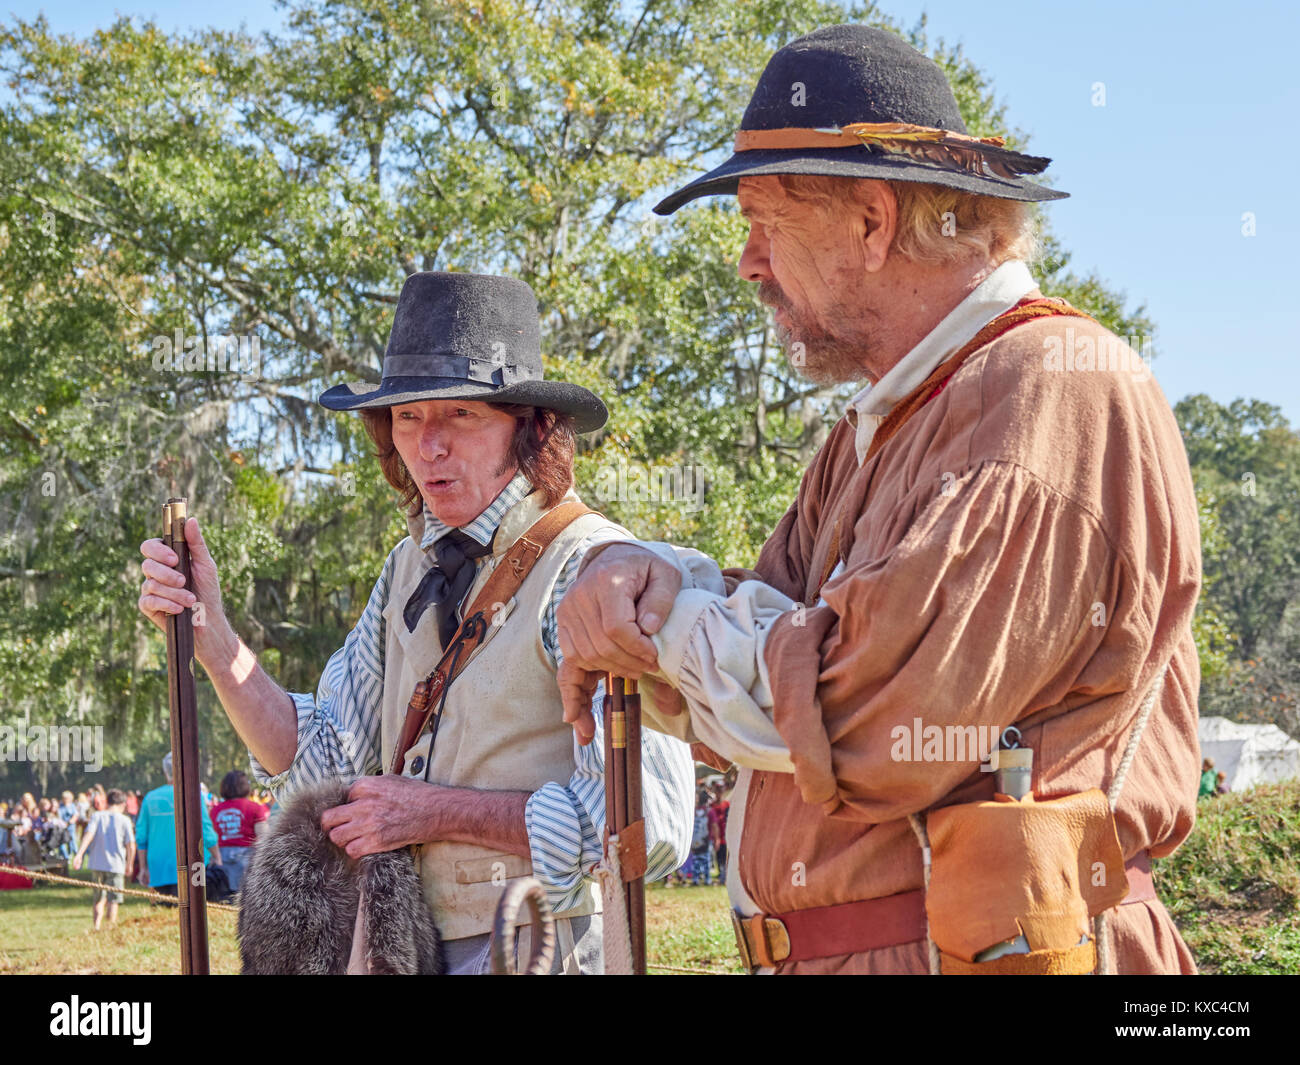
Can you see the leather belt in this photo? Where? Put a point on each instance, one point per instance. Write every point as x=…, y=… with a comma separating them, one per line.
x=767, y=939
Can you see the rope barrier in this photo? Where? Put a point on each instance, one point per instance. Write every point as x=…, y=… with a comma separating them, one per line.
x=689, y=969
x=153, y=896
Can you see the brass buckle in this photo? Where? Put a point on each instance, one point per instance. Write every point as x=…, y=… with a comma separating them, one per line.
x=742, y=941
x=764, y=942
x=771, y=940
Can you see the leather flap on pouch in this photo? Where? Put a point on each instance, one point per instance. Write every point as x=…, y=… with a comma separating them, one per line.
x=498, y=866
x=1005, y=868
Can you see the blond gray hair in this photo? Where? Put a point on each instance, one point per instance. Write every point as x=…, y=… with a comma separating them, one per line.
x=936, y=224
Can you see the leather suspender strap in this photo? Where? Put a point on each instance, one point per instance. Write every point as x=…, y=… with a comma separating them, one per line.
x=506, y=579
x=1022, y=312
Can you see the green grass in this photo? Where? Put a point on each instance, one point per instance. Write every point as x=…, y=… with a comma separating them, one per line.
x=48, y=930
x=1233, y=885
x=690, y=927
x=1232, y=889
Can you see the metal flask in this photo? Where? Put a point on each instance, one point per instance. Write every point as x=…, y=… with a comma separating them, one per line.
x=1015, y=772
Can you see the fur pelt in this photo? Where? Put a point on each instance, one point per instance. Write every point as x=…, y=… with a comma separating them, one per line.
x=298, y=900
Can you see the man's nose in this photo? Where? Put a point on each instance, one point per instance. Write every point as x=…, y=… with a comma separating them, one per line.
x=754, y=265
x=434, y=442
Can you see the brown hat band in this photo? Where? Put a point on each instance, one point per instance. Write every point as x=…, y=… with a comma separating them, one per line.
x=935, y=147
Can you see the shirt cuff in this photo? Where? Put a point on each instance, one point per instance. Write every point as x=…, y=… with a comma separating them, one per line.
x=559, y=844
x=711, y=650
x=675, y=635
x=305, y=706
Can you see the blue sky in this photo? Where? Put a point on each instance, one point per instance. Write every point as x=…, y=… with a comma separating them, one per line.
x=1196, y=131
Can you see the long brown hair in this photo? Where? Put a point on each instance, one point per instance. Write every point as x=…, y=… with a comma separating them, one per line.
x=542, y=448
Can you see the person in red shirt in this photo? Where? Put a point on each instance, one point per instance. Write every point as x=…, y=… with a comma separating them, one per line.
x=718, y=827
x=238, y=821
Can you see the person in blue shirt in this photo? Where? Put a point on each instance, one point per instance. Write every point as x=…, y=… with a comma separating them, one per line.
x=68, y=815
x=155, y=836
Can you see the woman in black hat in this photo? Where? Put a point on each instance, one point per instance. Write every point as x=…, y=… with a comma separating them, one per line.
x=480, y=446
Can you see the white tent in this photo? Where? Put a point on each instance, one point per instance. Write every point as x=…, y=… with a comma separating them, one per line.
x=1249, y=754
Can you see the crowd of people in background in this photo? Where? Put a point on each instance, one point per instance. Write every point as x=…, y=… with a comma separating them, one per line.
x=708, y=838
x=126, y=835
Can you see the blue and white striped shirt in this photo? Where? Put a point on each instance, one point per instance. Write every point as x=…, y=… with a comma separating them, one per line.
x=338, y=735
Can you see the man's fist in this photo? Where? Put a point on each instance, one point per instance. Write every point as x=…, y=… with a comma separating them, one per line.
x=605, y=622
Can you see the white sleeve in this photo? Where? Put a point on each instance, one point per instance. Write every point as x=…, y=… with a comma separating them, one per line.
x=711, y=650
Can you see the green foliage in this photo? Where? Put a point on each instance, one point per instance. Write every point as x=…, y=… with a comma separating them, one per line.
x=1246, y=461
x=281, y=188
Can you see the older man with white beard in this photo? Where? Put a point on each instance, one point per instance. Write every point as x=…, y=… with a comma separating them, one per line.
x=985, y=539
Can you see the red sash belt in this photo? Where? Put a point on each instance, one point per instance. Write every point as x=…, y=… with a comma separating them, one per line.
x=768, y=939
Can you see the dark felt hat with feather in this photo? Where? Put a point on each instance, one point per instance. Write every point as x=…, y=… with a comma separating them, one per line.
x=855, y=101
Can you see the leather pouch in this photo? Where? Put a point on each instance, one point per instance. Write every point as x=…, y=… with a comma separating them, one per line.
x=1010, y=867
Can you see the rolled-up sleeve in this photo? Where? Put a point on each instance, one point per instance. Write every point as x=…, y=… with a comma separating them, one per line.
x=566, y=822
x=338, y=728
x=711, y=649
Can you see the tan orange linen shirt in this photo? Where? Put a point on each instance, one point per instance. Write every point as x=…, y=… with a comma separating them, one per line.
x=1026, y=549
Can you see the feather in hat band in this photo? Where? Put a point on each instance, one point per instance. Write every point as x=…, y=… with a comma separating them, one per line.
x=940, y=147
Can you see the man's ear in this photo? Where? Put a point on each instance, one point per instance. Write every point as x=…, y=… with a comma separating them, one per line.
x=878, y=207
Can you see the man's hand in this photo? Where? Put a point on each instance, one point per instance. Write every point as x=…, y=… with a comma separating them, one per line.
x=605, y=622
x=163, y=592
x=577, y=687
x=382, y=813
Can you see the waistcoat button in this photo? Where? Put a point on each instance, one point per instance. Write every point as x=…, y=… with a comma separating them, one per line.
x=417, y=765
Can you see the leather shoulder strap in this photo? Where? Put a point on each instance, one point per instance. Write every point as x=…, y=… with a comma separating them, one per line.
x=515, y=565
x=523, y=554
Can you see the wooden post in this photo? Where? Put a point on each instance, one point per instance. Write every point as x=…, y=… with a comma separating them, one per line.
x=191, y=886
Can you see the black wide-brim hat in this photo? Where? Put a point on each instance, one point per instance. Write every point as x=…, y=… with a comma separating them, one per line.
x=467, y=336
x=854, y=101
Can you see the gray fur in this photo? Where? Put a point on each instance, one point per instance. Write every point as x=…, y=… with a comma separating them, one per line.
x=298, y=901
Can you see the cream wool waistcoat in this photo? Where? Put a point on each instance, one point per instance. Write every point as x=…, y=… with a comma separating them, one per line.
x=503, y=722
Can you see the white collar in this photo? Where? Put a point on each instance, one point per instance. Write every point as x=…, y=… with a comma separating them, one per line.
x=998, y=292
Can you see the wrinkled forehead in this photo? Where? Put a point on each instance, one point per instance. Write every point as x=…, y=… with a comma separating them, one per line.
x=762, y=198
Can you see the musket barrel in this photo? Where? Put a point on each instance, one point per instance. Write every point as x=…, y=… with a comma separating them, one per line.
x=191, y=891
x=635, y=888
x=607, y=724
